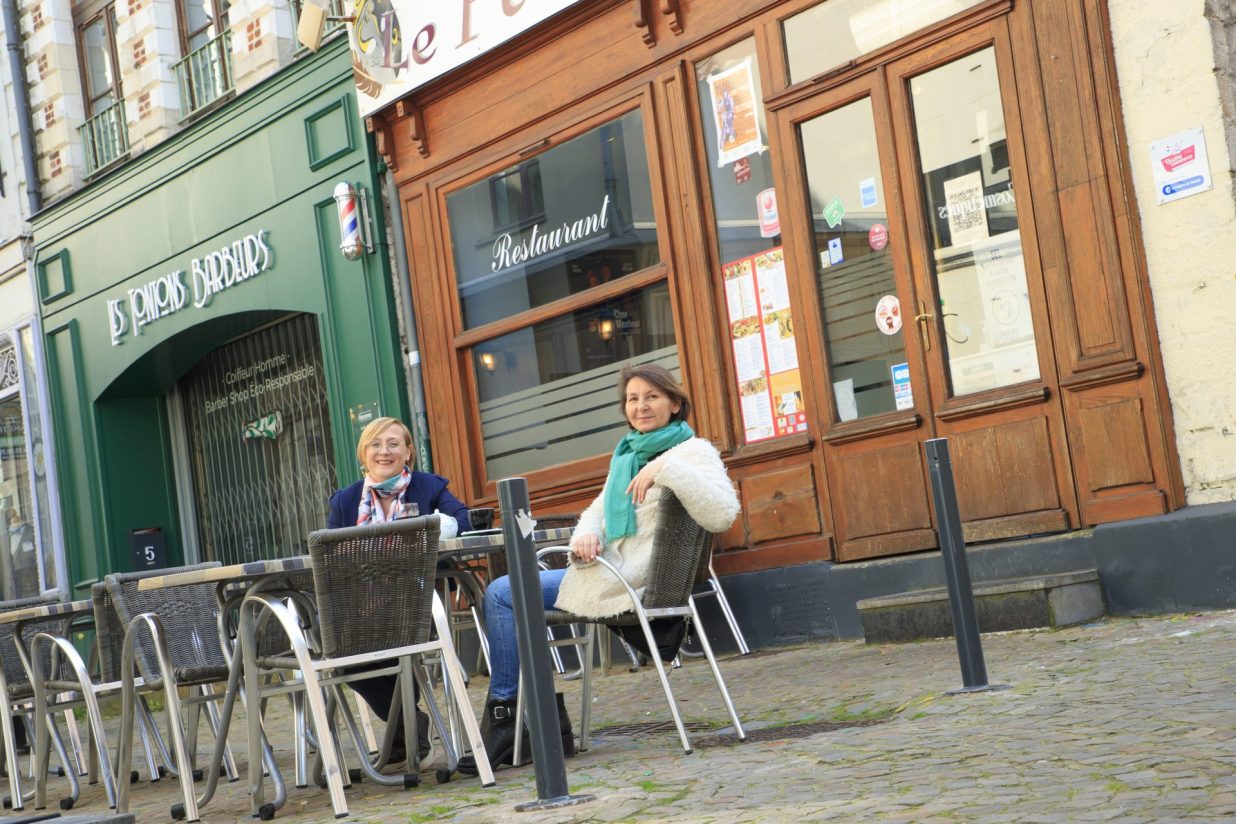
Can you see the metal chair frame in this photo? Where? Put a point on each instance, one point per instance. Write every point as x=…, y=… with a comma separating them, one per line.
x=681, y=554
x=18, y=691
x=324, y=665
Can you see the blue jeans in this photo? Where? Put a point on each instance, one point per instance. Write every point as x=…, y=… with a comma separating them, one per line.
x=500, y=627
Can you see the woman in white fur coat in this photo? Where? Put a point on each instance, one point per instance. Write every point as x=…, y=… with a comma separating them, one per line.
x=661, y=452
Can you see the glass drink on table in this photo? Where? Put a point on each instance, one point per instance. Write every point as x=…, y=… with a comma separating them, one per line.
x=481, y=518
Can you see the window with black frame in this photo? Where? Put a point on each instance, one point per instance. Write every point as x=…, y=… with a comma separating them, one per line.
x=567, y=228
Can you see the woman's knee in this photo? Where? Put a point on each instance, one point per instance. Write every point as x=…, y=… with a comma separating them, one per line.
x=498, y=594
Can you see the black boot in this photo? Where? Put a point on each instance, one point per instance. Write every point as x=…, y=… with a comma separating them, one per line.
x=399, y=751
x=498, y=733
x=564, y=727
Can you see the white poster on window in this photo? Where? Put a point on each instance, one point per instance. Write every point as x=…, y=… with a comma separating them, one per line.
x=967, y=215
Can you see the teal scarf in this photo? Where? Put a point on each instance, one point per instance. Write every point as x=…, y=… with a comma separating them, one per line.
x=630, y=456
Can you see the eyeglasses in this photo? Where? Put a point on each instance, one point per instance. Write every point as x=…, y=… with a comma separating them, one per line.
x=391, y=446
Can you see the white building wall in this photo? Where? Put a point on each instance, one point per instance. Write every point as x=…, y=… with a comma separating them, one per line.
x=1174, y=73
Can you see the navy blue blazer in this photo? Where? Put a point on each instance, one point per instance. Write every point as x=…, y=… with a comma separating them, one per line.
x=427, y=491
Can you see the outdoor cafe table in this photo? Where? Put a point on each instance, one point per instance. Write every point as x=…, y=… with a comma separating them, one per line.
x=256, y=573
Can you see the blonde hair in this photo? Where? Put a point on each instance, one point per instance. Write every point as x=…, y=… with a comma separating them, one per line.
x=375, y=428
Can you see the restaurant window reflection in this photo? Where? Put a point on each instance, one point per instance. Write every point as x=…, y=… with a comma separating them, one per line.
x=547, y=392
x=577, y=215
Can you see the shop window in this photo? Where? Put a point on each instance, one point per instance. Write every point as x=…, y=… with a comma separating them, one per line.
x=834, y=32
x=597, y=226
x=258, y=427
x=567, y=227
x=748, y=231
x=27, y=547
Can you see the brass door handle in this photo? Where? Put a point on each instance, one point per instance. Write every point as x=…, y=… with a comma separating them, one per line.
x=923, y=329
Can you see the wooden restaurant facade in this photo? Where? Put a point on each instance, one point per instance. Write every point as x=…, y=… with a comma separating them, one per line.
x=851, y=226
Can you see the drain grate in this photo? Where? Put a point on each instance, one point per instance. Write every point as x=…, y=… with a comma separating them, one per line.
x=786, y=733
x=647, y=729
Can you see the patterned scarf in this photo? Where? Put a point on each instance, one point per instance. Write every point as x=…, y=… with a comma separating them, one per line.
x=369, y=511
x=630, y=456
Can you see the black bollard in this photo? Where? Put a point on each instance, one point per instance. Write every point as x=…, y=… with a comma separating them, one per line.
x=540, y=707
x=953, y=548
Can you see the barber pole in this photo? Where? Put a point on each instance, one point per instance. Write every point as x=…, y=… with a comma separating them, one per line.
x=351, y=244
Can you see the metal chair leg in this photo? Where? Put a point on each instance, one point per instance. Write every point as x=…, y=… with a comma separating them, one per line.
x=716, y=672
x=725, y=609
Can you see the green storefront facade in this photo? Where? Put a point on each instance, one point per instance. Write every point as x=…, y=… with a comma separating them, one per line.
x=211, y=352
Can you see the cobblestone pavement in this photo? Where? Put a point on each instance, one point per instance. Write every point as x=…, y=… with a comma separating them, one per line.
x=1130, y=720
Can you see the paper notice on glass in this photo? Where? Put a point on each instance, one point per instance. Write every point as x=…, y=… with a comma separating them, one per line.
x=774, y=286
x=740, y=290
x=757, y=416
x=967, y=214
x=903, y=394
x=748, y=358
x=779, y=341
x=1006, y=298
x=733, y=97
x=847, y=404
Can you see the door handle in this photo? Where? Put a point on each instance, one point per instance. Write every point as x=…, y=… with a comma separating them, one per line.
x=923, y=328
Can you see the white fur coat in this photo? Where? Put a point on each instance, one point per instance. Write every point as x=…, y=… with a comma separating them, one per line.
x=693, y=471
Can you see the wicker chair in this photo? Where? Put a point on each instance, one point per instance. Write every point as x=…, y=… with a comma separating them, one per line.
x=16, y=687
x=172, y=637
x=680, y=559
x=376, y=602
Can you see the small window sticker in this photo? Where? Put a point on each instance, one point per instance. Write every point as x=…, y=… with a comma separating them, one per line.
x=888, y=315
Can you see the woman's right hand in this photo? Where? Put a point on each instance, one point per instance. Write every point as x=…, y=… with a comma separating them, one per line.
x=586, y=547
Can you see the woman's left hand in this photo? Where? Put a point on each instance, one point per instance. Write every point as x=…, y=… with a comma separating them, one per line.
x=644, y=480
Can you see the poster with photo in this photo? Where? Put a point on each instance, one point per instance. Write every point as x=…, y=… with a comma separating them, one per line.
x=732, y=95
x=770, y=387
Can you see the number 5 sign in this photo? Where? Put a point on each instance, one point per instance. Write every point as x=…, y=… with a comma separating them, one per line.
x=149, y=548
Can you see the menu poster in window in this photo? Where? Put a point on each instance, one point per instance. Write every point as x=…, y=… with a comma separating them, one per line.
x=765, y=354
x=732, y=95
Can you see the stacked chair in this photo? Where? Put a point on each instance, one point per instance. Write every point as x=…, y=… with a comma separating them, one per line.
x=681, y=559
x=170, y=638
x=19, y=693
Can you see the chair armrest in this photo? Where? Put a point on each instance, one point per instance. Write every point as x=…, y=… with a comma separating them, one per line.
x=552, y=550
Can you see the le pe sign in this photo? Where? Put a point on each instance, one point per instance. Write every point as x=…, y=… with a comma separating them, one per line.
x=399, y=45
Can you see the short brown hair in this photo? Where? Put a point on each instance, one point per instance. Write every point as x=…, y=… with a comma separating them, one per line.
x=374, y=428
x=662, y=379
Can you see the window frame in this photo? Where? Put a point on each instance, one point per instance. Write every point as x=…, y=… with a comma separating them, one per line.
x=84, y=16
x=463, y=343
x=219, y=20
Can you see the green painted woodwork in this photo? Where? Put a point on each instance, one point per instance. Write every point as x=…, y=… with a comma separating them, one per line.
x=55, y=277
x=267, y=161
x=135, y=455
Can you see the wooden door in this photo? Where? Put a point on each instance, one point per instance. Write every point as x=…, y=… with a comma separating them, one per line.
x=911, y=206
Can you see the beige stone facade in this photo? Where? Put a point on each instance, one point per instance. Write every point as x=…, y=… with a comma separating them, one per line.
x=1176, y=70
x=148, y=52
